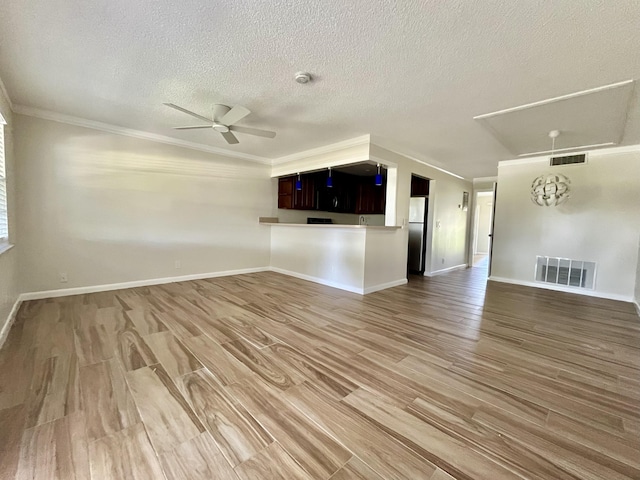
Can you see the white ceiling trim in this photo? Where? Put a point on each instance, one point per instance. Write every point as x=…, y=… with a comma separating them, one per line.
x=416, y=159
x=554, y=99
x=598, y=152
x=105, y=127
x=334, y=147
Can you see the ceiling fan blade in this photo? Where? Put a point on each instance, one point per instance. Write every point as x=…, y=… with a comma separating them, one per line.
x=194, y=126
x=253, y=131
x=188, y=112
x=234, y=115
x=230, y=137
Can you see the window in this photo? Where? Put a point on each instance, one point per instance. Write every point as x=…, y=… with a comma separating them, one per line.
x=4, y=221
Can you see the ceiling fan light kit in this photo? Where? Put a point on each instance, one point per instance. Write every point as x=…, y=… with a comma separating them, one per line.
x=224, y=122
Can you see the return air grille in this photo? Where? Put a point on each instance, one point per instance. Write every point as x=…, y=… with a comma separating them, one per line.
x=568, y=160
x=566, y=272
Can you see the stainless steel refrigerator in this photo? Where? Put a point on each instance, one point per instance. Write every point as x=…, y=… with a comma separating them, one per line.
x=417, y=233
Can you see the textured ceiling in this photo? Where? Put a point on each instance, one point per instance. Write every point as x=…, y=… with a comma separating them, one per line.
x=414, y=72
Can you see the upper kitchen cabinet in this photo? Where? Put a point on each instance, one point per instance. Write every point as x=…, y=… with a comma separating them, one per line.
x=286, y=185
x=371, y=197
x=341, y=198
x=350, y=193
x=305, y=198
x=419, y=186
x=290, y=198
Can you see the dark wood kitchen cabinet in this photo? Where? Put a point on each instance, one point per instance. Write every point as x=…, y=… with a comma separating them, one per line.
x=371, y=198
x=290, y=198
x=286, y=186
x=419, y=186
x=349, y=194
x=305, y=199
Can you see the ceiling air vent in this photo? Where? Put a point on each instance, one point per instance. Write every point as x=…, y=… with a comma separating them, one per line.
x=569, y=159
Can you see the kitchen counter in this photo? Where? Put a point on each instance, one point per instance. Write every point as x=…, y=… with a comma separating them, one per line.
x=329, y=225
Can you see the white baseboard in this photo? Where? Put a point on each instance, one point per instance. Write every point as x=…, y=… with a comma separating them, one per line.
x=446, y=270
x=341, y=286
x=319, y=280
x=65, y=292
x=4, y=332
x=137, y=283
x=637, y=305
x=560, y=288
x=383, y=286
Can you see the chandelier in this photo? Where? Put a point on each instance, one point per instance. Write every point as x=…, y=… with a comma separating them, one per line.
x=551, y=189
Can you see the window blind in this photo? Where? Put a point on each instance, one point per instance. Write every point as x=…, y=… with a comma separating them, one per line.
x=4, y=223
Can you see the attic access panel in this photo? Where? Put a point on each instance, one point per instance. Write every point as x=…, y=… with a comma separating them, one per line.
x=593, y=117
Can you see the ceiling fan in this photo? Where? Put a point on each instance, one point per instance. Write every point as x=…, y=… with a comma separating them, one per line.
x=224, y=122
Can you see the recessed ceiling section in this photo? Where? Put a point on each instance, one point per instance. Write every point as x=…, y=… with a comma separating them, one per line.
x=362, y=169
x=591, y=118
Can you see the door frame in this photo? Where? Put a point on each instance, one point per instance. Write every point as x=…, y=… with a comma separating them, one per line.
x=472, y=230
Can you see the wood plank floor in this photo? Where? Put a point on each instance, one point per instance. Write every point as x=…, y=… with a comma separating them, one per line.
x=263, y=376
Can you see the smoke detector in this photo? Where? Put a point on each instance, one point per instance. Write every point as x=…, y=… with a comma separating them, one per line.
x=303, y=77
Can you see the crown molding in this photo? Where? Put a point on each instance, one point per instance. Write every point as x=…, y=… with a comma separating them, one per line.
x=383, y=144
x=3, y=89
x=334, y=147
x=593, y=153
x=105, y=127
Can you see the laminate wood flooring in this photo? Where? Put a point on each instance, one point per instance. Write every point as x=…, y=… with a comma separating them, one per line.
x=263, y=376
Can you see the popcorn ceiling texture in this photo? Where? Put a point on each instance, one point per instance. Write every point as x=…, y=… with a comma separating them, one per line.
x=412, y=71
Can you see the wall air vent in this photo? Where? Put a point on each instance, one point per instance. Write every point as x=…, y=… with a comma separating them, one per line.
x=565, y=272
x=568, y=159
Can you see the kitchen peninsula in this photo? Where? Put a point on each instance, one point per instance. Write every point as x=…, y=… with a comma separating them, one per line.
x=357, y=258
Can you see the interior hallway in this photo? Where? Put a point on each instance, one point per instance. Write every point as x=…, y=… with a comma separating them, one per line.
x=267, y=376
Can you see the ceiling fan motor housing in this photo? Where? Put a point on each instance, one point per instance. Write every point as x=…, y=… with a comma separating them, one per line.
x=218, y=127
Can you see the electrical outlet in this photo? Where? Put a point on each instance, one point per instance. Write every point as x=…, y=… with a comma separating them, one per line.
x=178, y=264
x=443, y=260
x=63, y=277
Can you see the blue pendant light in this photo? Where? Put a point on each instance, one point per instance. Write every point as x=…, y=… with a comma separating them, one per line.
x=329, y=180
x=378, y=177
x=298, y=183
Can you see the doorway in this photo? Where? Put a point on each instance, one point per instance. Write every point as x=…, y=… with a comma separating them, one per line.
x=483, y=220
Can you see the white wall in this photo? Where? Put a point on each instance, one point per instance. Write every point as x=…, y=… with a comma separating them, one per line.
x=333, y=256
x=447, y=223
x=107, y=208
x=9, y=287
x=599, y=223
x=360, y=260
x=300, y=216
x=385, y=258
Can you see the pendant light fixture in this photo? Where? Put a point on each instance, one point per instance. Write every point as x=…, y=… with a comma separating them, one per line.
x=552, y=189
x=298, y=183
x=378, y=177
x=329, y=180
